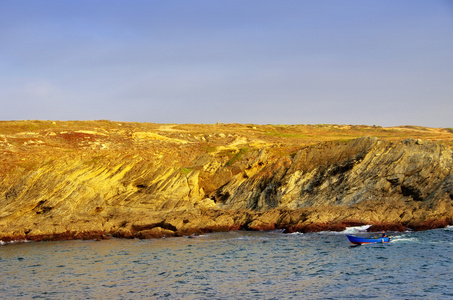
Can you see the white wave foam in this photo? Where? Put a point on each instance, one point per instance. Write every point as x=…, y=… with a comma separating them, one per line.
x=348, y=230
x=296, y=233
x=355, y=229
x=14, y=242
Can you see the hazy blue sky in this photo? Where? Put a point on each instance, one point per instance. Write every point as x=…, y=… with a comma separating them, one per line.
x=383, y=62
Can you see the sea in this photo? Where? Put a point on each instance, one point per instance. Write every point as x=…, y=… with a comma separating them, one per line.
x=233, y=265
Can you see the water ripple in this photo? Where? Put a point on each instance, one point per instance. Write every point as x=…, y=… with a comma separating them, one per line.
x=246, y=265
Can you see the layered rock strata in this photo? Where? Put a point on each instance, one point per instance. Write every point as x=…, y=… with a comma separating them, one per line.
x=66, y=183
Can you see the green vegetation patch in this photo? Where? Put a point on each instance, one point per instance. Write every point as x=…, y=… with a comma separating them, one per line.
x=286, y=135
x=209, y=148
x=186, y=170
x=239, y=155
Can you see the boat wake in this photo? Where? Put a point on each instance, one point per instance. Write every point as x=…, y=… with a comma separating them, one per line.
x=403, y=239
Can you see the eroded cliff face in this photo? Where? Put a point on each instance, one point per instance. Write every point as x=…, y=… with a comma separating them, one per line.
x=150, y=180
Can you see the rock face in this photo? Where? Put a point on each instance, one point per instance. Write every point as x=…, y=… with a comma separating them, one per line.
x=99, y=179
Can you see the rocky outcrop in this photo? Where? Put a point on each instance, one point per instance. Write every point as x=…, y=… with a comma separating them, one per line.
x=135, y=182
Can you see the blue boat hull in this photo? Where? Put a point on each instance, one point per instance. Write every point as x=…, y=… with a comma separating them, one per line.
x=360, y=240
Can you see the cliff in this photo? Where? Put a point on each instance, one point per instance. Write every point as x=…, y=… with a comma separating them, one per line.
x=64, y=180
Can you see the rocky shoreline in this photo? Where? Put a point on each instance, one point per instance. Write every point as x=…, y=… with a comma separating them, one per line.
x=102, y=179
x=159, y=232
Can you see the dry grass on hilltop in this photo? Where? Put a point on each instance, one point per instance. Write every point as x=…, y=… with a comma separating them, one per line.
x=27, y=135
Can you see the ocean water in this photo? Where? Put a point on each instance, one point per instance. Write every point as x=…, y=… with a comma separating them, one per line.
x=232, y=265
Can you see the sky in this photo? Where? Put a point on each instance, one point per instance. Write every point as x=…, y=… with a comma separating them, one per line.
x=386, y=62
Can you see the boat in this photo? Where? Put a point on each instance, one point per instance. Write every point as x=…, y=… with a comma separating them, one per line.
x=361, y=240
